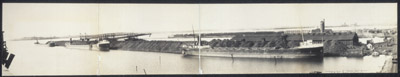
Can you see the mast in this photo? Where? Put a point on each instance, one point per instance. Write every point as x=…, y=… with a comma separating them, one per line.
x=85, y=36
x=194, y=35
x=323, y=30
x=301, y=30
x=323, y=25
x=80, y=36
x=36, y=38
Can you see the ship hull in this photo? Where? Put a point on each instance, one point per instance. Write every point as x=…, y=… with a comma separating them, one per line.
x=258, y=52
x=104, y=47
x=87, y=47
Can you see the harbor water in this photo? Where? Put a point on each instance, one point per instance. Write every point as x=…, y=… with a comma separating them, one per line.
x=34, y=59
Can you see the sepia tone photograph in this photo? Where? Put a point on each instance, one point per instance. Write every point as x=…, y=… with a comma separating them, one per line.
x=170, y=39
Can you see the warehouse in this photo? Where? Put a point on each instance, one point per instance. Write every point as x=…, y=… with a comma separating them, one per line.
x=348, y=38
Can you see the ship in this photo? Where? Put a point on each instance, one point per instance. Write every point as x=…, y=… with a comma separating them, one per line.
x=37, y=42
x=305, y=49
x=375, y=54
x=103, y=45
x=51, y=44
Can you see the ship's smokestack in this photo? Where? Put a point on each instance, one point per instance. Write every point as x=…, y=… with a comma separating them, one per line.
x=323, y=26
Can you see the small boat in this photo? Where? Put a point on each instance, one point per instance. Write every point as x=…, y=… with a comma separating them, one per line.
x=104, y=45
x=37, y=42
x=315, y=72
x=52, y=44
x=375, y=53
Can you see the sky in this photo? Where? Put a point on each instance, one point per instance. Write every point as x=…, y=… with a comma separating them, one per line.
x=63, y=19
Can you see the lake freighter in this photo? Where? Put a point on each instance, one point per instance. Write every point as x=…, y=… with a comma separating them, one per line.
x=306, y=49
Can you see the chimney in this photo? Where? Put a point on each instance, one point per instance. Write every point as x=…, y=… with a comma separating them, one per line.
x=323, y=26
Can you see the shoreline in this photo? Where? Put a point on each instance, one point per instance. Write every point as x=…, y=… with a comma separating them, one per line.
x=389, y=66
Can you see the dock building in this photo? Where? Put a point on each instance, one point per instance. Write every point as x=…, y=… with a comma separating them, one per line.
x=317, y=36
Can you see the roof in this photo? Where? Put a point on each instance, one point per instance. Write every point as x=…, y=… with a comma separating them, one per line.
x=306, y=36
x=318, y=36
x=255, y=38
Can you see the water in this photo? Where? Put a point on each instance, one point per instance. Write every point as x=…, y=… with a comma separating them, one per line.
x=34, y=59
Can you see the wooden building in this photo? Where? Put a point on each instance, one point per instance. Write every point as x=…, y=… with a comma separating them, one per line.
x=348, y=38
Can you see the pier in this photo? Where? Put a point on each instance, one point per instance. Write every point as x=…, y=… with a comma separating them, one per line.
x=114, y=36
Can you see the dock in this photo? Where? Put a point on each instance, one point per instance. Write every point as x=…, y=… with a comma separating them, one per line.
x=390, y=65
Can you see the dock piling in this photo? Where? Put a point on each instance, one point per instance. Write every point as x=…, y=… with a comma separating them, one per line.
x=275, y=59
x=144, y=71
x=159, y=59
x=233, y=60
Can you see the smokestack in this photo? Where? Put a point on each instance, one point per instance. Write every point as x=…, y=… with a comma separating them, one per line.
x=323, y=26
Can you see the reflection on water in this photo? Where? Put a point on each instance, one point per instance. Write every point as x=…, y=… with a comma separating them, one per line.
x=34, y=59
x=223, y=65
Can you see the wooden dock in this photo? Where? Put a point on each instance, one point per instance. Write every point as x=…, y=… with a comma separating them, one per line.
x=390, y=66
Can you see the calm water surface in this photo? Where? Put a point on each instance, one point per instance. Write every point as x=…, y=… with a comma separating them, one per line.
x=34, y=59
